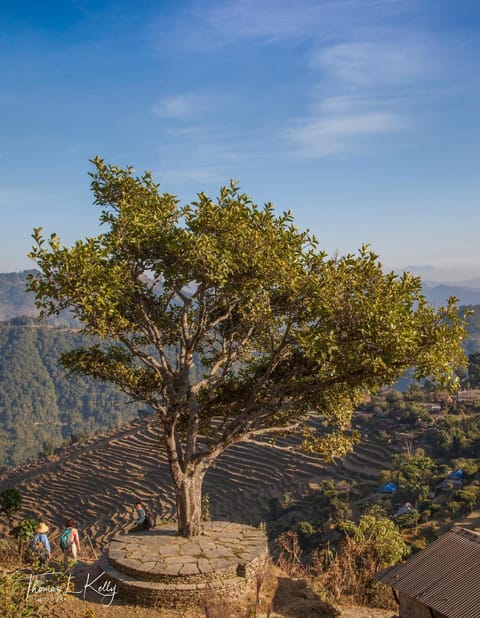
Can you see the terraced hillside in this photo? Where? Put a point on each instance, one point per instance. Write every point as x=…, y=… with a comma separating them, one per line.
x=98, y=481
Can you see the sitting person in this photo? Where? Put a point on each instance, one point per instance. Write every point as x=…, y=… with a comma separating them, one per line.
x=143, y=520
x=40, y=545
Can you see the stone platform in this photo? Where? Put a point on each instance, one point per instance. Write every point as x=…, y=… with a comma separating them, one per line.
x=159, y=566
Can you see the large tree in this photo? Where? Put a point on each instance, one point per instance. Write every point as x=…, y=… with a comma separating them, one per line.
x=231, y=324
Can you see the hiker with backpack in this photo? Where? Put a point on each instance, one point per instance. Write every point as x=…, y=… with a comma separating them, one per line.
x=144, y=519
x=40, y=545
x=69, y=542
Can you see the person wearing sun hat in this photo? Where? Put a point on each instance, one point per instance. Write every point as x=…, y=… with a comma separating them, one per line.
x=40, y=544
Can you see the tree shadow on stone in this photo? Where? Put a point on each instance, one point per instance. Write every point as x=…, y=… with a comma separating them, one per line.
x=294, y=599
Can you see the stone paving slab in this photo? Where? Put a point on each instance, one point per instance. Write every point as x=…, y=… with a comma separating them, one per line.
x=169, y=568
x=222, y=550
x=159, y=553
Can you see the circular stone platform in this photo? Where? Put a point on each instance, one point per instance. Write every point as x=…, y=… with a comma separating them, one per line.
x=157, y=565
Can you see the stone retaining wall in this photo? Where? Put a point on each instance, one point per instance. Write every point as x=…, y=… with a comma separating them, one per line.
x=159, y=567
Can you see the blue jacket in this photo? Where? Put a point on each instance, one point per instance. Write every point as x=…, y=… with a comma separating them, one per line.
x=43, y=539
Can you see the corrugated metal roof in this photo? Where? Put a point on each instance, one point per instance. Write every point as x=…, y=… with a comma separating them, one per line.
x=444, y=576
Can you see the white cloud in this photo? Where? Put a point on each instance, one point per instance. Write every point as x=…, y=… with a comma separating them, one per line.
x=340, y=133
x=372, y=88
x=367, y=64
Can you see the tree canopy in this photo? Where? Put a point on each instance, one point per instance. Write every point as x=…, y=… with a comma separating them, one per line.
x=377, y=537
x=279, y=329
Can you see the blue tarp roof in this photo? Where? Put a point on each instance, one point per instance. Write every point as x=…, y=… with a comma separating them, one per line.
x=388, y=488
x=458, y=474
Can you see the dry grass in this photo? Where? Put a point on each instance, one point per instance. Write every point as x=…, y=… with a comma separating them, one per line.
x=279, y=596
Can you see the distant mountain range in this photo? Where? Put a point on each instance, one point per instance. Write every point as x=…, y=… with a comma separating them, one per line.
x=15, y=301
x=468, y=292
x=437, y=286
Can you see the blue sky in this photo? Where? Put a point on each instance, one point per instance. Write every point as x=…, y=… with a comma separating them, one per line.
x=360, y=116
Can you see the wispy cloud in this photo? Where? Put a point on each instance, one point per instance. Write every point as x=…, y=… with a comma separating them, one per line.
x=372, y=88
x=274, y=20
x=217, y=24
x=372, y=70
x=378, y=64
x=340, y=131
x=180, y=106
x=365, y=74
x=270, y=19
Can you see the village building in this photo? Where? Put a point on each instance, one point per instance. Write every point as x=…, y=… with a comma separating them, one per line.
x=441, y=581
x=454, y=480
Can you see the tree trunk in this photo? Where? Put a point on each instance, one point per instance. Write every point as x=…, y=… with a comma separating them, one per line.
x=188, y=495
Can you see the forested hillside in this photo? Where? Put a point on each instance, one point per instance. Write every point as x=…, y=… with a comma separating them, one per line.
x=40, y=406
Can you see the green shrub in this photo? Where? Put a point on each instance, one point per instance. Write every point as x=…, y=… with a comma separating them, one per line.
x=23, y=534
x=13, y=599
x=454, y=508
x=16, y=603
x=469, y=495
x=407, y=520
x=304, y=529
x=10, y=502
x=425, y=515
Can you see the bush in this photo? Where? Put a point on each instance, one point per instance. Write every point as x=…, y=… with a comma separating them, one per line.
x=305, y=530
x=469, y=495
x=408, y=520
x=10, y=502
x=349, y=576
x=15, y=602
x=425, y=515
x=23, y=534
x=454, y=508
x=375, y=542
